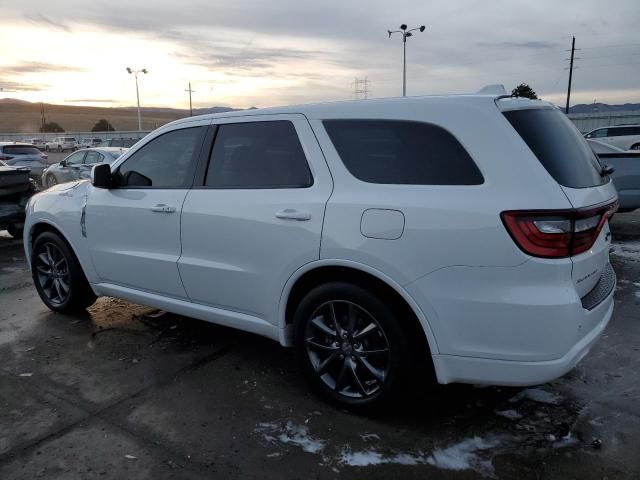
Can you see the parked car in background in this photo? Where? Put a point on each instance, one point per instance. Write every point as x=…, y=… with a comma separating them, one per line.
x=90, y=142
x=119, y=142
x=626, y=137
x=15, y=190
x=60, y=144
x=37, y=142
x=17, y=154
x=78, y=165
x=465, y=233
x=626, y=173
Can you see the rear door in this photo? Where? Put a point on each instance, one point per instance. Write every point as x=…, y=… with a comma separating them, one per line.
x=257, y=215
x=566, y=155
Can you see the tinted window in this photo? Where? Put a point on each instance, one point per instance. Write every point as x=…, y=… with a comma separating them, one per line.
x=402, y=152
x=75, y=159
x=623, y=131
x=598, y=133
x=258, y=155
x=21, y=150
x=167, y=161
x=93, y=157
x=558, y=145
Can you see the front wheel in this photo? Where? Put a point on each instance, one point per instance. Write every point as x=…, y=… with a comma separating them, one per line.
x=57, y=275
x=51, y=181
x=351, y=345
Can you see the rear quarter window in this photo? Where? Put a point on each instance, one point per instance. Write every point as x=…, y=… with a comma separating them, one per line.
x=558, y=145
x=21, y=150
x=402, y=152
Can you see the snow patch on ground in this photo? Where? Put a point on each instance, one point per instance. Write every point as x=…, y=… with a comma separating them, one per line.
x=510, y=414
x=369, y=436
x=291, y=434
x=537, y=395
x=629, y=250
x=464, y=455
x=365, y=458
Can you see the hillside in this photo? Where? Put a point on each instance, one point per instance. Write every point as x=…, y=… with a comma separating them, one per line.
x=24, y=117
x=604, y=107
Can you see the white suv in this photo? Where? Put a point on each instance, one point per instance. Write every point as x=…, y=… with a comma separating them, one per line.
x=60, y=144
x=467, y=233
x=626, y=137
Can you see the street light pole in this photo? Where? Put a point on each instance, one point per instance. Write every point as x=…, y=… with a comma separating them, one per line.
x=135, y=74
x=405, y=34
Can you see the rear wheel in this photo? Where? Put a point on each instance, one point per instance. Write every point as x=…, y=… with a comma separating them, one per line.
x=57, y=275
x=351, y=346
x=46, y=148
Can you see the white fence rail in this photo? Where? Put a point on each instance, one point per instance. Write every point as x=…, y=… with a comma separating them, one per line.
x=27, y=137
x=589, y=121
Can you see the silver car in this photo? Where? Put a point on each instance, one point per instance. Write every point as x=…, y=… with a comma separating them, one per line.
x=16, y=154
x=626, y=173
x=78, y=165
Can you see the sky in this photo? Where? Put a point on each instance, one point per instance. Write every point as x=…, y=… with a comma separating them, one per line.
x=261, y=53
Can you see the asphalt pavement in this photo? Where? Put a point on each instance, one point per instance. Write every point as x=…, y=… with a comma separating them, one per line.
x=126, y=391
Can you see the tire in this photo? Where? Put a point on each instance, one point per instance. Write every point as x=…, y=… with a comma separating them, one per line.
x=59, y=149
x=14, y=231
x=635, y=146
x=351, y=370
x=49, y=249
x=46, y=148
x=51, y=181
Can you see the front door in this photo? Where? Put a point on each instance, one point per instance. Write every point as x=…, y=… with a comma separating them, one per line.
x=133, y=229
x=258, y=216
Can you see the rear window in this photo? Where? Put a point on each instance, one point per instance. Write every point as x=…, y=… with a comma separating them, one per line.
x=20, y=150
x=68, y=139
x=402, y=152
x=558, y=145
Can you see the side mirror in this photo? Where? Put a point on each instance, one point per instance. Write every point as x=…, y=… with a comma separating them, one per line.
x=63, y=163
x=101, y=175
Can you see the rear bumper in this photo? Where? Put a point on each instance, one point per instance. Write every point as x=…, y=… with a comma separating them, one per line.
x=455, y=369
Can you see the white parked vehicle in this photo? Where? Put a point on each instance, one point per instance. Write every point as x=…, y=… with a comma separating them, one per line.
x=626, y=137
x=60, y=144
x=90, y=142
x=468, y=233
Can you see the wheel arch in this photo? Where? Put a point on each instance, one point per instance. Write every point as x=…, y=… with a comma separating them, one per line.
x=322, y=271
x=42, y=226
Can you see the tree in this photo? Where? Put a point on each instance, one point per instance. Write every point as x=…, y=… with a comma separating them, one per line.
x=103, y=125
x=524, y=90
x=51, y=127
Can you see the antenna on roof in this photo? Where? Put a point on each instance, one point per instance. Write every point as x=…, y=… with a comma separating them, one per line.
x=495, y=89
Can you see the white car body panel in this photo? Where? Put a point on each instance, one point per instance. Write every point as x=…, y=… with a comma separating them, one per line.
x=490, y=312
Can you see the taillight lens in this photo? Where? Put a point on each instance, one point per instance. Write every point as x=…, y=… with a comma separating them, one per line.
x=44, y=157
x=5, y=157
x=557, y=233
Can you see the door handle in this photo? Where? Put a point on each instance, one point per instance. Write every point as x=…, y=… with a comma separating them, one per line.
x=162, y=208
x=293, y=214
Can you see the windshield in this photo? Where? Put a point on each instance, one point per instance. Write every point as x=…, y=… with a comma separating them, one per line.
x=558, y=145
x=21, y=150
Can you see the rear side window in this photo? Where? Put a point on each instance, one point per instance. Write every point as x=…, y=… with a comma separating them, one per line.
x=21, y=150
x=558, y=145
x=402, y=152
x=258, y=155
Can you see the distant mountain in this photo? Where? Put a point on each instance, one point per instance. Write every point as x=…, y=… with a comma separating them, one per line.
x=603, y=107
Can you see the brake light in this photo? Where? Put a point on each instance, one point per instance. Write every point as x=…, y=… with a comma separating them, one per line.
x=557, y=233
x=5, y=157
x=44, y=157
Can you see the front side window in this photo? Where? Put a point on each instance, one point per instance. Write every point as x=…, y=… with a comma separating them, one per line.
x=402, y=153
x=258, y=155
x=167, y=161
x=598, y=133
x=75, y=159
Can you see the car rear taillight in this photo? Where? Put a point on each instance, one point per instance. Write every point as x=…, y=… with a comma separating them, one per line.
x=44, y=157
x=5, y=157
x=557, y=233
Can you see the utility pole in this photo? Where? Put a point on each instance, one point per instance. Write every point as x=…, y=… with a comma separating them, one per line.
x=361, y=87
x=190, y=105
x=43, y=119
x=573, y=49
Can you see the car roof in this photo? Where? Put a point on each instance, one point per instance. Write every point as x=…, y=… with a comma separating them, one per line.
x=105, y=149
x=329, y=109
x=3, y=144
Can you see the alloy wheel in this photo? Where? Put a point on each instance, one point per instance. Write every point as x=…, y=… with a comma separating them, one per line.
x=52, y=273
x=51, y=181
x=348, y=349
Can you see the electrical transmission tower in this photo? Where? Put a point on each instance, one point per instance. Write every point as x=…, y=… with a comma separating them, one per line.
x=361, y=88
